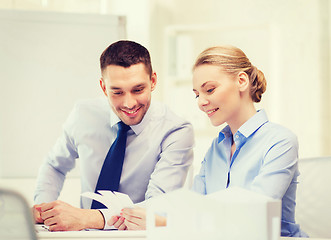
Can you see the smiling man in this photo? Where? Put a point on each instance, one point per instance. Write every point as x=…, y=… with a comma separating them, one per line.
x=157, y=152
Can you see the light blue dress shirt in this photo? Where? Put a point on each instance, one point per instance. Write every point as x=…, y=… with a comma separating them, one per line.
x=158, y=155
x=265, y=161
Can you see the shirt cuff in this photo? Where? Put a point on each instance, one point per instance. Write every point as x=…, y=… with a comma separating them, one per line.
x=106, y=216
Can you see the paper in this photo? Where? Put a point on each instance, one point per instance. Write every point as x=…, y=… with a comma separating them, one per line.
x=232, y=214
x=114, y=201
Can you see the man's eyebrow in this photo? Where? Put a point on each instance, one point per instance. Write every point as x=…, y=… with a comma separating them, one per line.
x=136, y=86
x=139, y=85
x=115, y=88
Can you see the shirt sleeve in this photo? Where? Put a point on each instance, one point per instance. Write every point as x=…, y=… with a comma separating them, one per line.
x=58, y=162
x=278, y=168
x=174, y=161
x=199, y=183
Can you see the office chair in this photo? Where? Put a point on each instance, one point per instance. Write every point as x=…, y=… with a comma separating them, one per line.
x=15, y=217
x=313, y=211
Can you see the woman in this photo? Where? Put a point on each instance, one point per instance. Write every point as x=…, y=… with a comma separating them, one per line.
x=250, y=152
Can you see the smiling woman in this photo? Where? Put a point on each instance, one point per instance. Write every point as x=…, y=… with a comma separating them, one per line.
x=233, y=84
x=250, y=152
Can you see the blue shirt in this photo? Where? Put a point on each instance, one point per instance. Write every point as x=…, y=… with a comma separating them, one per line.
x=158, y=154
x=265, y=161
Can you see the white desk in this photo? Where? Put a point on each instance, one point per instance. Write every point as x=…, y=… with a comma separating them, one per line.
x=114, y=235
x=291, y=238
x=93, y=235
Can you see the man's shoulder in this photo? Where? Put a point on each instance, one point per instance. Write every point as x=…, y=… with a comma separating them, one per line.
x=91, y=103
x=89, y=110
x=91, y=106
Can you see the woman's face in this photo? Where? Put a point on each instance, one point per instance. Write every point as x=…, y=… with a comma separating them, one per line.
x=218, y=94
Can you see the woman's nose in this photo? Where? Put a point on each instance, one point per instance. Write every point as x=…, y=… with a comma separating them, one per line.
x=202, y=101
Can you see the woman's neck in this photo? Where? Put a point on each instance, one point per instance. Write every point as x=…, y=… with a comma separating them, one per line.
x=243, y=114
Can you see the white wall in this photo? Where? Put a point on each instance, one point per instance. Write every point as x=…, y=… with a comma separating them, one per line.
x=47, y=62
x=296, y=72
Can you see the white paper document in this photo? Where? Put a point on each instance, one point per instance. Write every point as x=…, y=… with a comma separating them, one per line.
x=114, y=201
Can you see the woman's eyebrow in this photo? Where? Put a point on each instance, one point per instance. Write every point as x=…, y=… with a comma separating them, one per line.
x=203, y=85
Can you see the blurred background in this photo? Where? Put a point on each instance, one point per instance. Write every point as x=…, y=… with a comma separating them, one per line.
x=49, y=58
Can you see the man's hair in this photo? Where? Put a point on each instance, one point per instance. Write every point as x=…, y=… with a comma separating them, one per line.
x=125, y=53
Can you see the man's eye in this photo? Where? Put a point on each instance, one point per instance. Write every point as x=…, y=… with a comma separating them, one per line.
x=117, y=93
x=197, y=95
x=138, y=90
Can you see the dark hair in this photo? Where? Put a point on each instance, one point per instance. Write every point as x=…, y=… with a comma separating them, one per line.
x=125, y=53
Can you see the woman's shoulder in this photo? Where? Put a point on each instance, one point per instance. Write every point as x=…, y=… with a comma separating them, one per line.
x=275, y=132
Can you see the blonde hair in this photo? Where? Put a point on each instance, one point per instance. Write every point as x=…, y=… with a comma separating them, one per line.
x=233, y=60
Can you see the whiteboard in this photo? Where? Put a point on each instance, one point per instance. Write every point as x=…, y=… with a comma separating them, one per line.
x=48, y=61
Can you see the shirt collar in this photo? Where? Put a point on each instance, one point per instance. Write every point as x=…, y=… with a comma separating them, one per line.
x=224, y=133
x=248, y=128
x=138, y=128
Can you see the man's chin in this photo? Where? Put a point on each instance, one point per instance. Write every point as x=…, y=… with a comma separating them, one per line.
x=131, y=121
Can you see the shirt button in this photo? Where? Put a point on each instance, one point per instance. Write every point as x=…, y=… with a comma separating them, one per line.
x=237, y=136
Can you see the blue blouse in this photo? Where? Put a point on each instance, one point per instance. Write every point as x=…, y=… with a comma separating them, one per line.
x=265, y=161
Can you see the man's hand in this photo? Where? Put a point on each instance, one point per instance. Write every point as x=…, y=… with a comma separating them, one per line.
x=36, y=211
x=60, y=216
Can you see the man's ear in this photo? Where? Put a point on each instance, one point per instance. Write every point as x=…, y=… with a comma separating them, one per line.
x=243, y=81
x=153, y=80
x=103, y=86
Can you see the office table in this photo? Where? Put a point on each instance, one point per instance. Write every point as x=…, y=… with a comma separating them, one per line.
x=114, y=235
x=93, y=235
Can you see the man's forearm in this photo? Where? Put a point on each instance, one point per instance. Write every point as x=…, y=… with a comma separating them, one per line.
x=94, y=219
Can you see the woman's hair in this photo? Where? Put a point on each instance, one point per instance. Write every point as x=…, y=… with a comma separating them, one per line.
x=233, y=60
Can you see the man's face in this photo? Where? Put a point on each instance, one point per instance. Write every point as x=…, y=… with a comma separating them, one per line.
x=128, y=91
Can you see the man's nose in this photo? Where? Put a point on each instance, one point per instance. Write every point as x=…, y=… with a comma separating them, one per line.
x=129, y=101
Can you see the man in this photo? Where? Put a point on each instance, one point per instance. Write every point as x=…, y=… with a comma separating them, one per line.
x=158, y=149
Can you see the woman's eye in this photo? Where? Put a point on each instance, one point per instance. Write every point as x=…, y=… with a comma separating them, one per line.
x=210, y=90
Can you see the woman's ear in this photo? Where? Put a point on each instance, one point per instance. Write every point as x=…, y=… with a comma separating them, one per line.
x=243, y=81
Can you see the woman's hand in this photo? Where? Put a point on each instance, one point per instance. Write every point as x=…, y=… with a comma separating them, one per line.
x=135, y=218
x=117, y=222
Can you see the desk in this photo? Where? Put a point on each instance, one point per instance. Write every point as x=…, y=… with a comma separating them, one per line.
x=93, y=235
x=114, y=235
x=291, y=238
